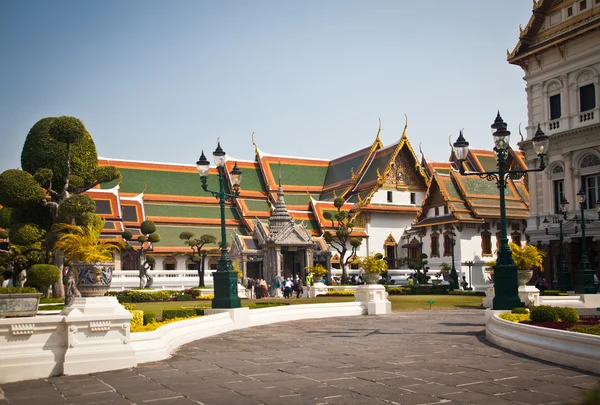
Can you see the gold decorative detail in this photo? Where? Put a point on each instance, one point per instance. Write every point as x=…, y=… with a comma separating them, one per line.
x=377, y=139
x=353, y=176
x=405, y=126
x=521, y=30
x=144, y=190
x=380, y=178
x=390, y=241
x=421, y=151
x=254, y=143
x=522, y=139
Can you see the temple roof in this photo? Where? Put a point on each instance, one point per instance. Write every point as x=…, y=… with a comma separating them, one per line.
x=538, y=36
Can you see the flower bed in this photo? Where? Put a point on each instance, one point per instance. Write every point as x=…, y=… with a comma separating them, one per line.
x=589, y=325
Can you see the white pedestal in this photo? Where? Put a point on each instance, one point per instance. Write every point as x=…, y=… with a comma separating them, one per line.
x=97, y=336
x=529, y=295
x=488, y=301
x=375, y=298
x=317, y=289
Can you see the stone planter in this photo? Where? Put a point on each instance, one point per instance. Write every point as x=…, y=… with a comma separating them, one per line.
x=19, y=304
x=523, y=276
x=93, y=279
x=370, y=278
x=317, y=279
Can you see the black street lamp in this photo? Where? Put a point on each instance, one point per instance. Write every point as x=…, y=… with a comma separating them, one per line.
x=453, y=273
x=225, y=279
x=563, y=276
x=506, y=285
x=584, y=276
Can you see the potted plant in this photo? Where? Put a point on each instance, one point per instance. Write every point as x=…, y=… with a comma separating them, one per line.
x=19, y=301
x=372, y=266
x=526, y=258
x=318, y=272
x=89, y=257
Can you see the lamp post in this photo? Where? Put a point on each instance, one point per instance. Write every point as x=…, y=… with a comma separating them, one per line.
x=506, y=285
x=584, y=277
x=470, y=264
x=564, y=278
x=225, y=279
x=453, y=274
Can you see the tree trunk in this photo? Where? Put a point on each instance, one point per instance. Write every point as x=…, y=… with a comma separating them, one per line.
x=201, y=272
x=58, y=288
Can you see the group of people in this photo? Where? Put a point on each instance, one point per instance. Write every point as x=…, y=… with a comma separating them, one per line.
x=291, y=286
x=257, y=288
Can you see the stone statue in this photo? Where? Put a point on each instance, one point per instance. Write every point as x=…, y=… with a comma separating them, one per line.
x=22, y=278
x=146, y=279
x=71, y=292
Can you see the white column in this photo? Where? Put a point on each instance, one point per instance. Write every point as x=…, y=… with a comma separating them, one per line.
x=567, y=96
x=181, y=262
x=160, y=260
x=529, y=91
x=279, y=258
x=244, y=262
x=569, y=188
x=545, y=192
x=533, y=201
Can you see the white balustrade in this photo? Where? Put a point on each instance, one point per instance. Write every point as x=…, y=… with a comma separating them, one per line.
x=163, y=279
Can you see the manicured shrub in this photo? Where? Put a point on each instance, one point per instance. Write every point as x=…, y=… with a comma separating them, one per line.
x=544, y=313
x=51, y=307
x=515, y=317
x=398, y=290
x=567, y=315
x=123, y=299
x=129, y=307
x=138, y=318
x=25, y=234
x=554, y=293
x=340, y=293
x=149, y=317
x=519, y=310
x=42, y=276
x=589, y=329
x=149, y=296
x=178, y=313
x=183, y=297
x=17, y=290
x=471, y=293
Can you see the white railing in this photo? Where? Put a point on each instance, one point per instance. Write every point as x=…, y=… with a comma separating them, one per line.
x=163, y=279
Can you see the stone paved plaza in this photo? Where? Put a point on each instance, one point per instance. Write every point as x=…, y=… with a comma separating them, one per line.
x=425, y=357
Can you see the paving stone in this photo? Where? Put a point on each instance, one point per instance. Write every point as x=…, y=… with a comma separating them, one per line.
x=349, y=360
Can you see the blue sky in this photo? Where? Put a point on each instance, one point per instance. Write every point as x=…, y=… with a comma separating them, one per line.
x=160, y=81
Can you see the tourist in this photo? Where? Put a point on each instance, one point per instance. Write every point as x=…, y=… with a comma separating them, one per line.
x=596, y=282
x=250, y=287
x=264, y=290
x=464, y=283
x=257, y=289
x=410, y=281
x=287, y=288
x=299, y=289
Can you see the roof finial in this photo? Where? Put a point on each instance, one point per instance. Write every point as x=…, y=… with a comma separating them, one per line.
x=405, y=126
x=280, y=173
x=254, y=143
x=421, y=151
x=522, y=139
x=377, y=139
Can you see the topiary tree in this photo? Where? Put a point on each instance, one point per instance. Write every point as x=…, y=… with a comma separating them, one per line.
x=343, y=222
x=59, y=163
x=147, y=239
x=421, y=268
x=196, y=245
x=42, y=276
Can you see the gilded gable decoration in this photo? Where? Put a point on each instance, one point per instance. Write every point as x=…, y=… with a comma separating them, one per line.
x=390, y=241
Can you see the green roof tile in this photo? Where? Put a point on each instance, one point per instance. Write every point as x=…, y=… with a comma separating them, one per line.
x=258, y=205
x=483, y=187
x=161, y=182
x=252, y=180
x=169, y=235
x=342, y=171
x=299, y=175
x=189, y=211
x=488, y=162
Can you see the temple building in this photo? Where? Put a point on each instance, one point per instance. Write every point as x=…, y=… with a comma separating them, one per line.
x=402, y=206
x=559, y=52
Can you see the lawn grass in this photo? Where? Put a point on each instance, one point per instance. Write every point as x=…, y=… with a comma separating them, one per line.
x=399, y=302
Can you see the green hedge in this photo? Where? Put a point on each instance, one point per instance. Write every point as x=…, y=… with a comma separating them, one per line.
x=567, y=315
x=182, y=313
x=183, y=297
x=142, y=295
x=52, y=300
x=544, y=313
x=554, y=293
x=149, y=317
x=266, y=304
x=472, y=293
x=589, y=329
x=424, y=290
x=17, y=290
x=519, y=310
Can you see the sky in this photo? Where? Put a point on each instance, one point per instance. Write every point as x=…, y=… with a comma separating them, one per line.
x=162, y=80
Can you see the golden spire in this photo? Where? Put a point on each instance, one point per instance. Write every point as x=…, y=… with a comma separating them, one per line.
x=405, y=126
x=254, y=143
x=377, y=139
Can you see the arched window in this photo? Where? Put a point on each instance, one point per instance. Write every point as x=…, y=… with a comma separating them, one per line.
x=558, y=186
x=170, y=263
x=589, y=166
